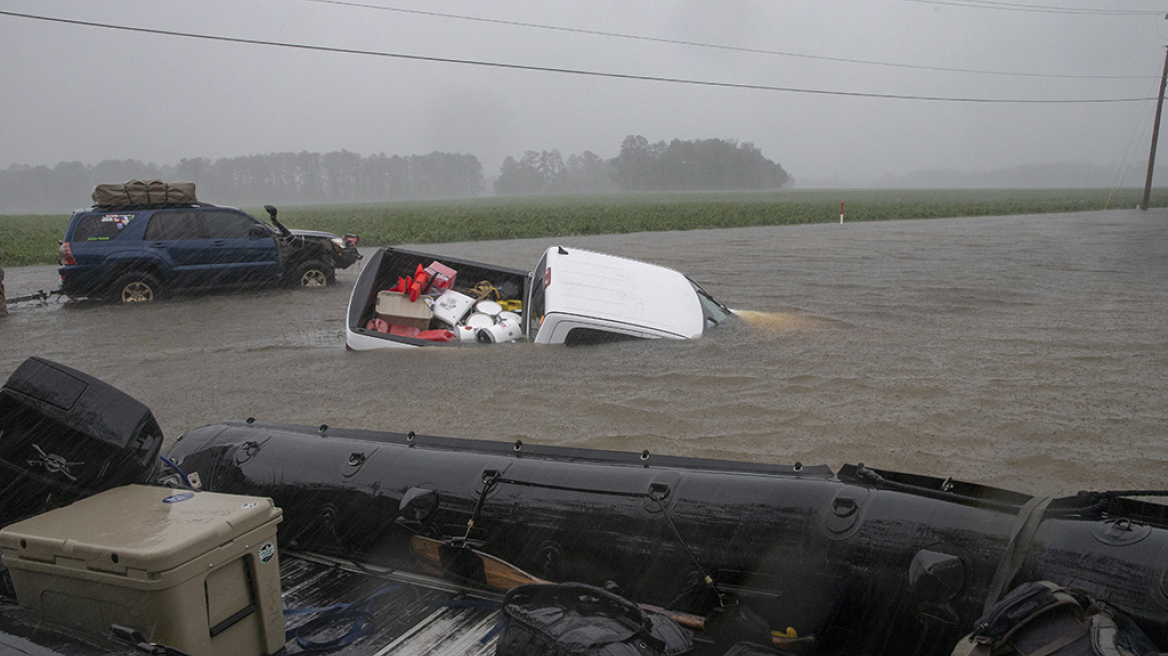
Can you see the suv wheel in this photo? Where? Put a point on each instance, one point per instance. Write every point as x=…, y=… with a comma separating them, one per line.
x=313, y=273
x=135, y=287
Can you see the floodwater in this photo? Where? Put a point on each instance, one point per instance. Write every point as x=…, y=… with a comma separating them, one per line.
x=1026, y=352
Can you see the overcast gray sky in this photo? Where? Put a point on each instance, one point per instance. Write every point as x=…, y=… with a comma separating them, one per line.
x=86, y=93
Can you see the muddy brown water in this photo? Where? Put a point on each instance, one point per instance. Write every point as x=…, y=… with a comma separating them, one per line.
x=1027, y=352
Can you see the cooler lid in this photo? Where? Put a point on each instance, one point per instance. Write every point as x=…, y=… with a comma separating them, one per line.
x=151, y=529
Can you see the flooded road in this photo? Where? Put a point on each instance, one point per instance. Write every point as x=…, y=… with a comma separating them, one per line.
x=1027, y=352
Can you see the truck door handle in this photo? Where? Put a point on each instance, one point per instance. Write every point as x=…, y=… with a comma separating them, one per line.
x=216, y=242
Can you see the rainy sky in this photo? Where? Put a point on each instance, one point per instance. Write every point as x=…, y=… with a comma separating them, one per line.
x=846, y=90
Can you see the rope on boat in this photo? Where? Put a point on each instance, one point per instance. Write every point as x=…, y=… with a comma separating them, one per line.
x=706, y=578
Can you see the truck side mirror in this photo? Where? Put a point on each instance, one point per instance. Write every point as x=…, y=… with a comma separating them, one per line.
x=271, y=210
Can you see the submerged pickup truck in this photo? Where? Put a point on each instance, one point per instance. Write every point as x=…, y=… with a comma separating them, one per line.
x=407, y=298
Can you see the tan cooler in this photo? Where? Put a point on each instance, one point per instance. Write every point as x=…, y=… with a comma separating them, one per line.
x=197, y=571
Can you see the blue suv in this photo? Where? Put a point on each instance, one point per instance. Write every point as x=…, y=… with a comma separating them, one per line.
x=136, y=254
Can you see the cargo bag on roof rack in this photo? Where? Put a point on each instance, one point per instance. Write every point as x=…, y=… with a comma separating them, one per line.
x=148, y=192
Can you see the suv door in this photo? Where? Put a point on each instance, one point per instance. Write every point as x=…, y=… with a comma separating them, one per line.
x=177, y=238
x=244, y=249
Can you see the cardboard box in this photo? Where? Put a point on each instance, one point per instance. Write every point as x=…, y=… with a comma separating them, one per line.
x=396, y=308
x=197, y=571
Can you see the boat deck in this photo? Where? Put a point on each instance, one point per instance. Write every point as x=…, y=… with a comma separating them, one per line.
x=412, y=614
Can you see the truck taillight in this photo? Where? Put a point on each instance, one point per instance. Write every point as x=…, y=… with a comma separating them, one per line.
x=66, y=254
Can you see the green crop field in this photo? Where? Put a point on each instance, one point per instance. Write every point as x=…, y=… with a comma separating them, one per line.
x=27, y=240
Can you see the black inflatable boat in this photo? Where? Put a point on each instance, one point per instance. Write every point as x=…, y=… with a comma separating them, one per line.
x=858, y=561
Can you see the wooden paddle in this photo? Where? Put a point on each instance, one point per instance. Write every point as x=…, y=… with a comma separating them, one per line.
x=441, y=558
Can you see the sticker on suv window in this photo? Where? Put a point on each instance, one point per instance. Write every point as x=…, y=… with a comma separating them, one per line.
x=106, y=228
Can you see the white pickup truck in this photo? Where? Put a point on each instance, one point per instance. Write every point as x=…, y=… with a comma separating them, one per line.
x=572, y=297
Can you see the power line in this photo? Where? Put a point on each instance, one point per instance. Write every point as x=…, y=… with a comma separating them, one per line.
x=568, y=71
x=696, y=44
x=1044, y=9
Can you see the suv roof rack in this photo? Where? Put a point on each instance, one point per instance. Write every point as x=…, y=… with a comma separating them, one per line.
x=148, y=206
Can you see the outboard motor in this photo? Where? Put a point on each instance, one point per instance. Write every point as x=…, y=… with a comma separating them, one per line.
x=65, y=435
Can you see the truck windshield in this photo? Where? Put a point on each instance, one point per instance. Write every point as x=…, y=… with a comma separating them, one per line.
x=713, y=311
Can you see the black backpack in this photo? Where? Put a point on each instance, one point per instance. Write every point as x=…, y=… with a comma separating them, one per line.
x=1041, y=618
x=574, y=619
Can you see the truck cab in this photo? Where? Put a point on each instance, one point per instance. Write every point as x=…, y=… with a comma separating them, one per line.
x=583, y=297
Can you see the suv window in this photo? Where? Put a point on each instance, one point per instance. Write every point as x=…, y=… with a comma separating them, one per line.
x=227, y=225
x=171, y=225
x=101, y=227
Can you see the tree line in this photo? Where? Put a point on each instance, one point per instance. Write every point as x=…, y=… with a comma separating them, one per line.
x=707, y=164
x=343, y=177
x=289, y=178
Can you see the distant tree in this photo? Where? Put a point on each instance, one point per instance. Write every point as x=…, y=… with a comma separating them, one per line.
x=526, y=176
x=191, y=170
x=708, y=164
x=586, y=173
x=342, y=174
x=71, y=176
x=634, y=168
x=444, y=175
x=547, y=172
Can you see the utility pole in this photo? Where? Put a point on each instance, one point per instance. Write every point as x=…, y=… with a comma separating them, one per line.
x=1155, y=135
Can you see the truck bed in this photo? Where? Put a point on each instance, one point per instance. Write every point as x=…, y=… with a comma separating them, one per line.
x=387, y=265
